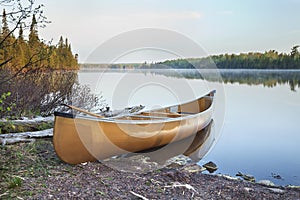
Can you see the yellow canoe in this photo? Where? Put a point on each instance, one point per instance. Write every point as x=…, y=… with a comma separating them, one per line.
x=80, y=139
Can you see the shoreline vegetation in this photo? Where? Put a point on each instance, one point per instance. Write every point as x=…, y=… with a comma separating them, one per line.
x=36, y=77
x=253, y=60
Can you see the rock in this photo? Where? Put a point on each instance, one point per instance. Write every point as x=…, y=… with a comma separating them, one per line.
x=194, y=168
x=210, y=166
x=247, y=189
x=246, y=177
x=277, y=190
x=293, y=186
x=227, y=177
x=180, y=160
x=276, y=176
x=266, y=182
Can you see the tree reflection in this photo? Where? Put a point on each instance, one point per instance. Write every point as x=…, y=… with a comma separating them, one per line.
x=267, y=78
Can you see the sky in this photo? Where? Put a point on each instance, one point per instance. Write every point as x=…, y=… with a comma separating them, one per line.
x=218, y=26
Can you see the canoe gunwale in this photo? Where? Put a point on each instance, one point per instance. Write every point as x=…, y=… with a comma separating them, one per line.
x=152, y=120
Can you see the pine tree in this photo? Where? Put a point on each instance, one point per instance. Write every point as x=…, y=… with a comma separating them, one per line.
x=61, y=42
x=21, y=37
x=66, y=43
x=21, y=49
x=6, y=41
x=5, y=30
x=33, y=35
x=36, y=48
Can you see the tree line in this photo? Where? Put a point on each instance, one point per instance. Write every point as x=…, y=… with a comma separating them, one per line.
x=20, y=55
x=35, y=76
x=253, y=60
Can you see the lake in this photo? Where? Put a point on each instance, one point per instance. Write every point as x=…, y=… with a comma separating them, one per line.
x=256, y=117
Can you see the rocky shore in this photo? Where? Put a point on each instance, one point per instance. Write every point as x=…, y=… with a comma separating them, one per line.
x=33, y=171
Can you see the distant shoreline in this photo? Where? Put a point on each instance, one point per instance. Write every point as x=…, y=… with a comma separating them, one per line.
x=253, y=60
x=107, y=67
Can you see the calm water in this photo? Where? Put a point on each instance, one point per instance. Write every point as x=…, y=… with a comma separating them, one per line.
x=256, y=118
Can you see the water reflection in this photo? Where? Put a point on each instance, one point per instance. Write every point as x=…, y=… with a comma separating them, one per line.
x=267, y=78
x=194, y=147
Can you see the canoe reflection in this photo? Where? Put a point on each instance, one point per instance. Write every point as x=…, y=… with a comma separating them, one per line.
x=191, y=147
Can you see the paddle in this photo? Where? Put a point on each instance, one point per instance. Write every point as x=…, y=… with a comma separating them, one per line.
x=83, y=111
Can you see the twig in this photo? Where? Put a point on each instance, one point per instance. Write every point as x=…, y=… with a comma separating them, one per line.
x=138, y=195
x=5, y=193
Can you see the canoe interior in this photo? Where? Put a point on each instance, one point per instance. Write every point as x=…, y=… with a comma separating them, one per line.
x=176, y=111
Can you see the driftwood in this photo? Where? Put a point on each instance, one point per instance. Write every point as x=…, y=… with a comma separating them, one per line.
x=30, y=121
x=12, y=138
x=26, y=125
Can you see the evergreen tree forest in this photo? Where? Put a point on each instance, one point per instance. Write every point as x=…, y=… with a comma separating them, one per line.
x=35, y=76
x=267, y=60
x=17, y=53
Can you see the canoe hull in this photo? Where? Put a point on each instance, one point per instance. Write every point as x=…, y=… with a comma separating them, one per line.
x=78, y=140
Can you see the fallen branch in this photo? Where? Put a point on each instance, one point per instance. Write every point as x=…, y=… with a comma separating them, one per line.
x=30, y=121
x=12, y=138
x=26, y=125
